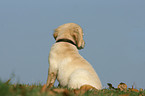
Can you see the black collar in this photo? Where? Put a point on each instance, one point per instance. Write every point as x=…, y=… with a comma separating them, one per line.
x=66, y=40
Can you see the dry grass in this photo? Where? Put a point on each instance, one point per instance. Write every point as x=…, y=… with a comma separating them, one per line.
x=7, y=89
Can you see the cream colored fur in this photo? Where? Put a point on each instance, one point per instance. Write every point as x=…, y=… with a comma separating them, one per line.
x=65, y=62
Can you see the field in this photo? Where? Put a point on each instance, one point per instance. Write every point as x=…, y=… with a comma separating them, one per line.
x=8, y=89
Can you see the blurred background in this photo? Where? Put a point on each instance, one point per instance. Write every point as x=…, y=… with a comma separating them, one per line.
x=114, y=32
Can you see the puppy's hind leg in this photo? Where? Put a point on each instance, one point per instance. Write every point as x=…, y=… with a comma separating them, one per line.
x=79, y=78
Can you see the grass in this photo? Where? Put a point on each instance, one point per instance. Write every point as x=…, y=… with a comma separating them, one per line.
x=8, y=89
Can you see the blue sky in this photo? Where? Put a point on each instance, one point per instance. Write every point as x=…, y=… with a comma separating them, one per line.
x=114, y=32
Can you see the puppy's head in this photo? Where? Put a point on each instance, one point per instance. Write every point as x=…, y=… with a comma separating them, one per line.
x=72, y=32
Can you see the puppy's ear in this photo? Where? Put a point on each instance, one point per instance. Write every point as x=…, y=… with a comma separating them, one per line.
x=55, y=34
x=78, y=37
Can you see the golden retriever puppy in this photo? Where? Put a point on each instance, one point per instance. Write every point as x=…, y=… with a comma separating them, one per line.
x=65, y=62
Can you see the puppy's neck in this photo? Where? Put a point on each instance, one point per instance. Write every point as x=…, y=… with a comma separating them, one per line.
x=66, y=40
